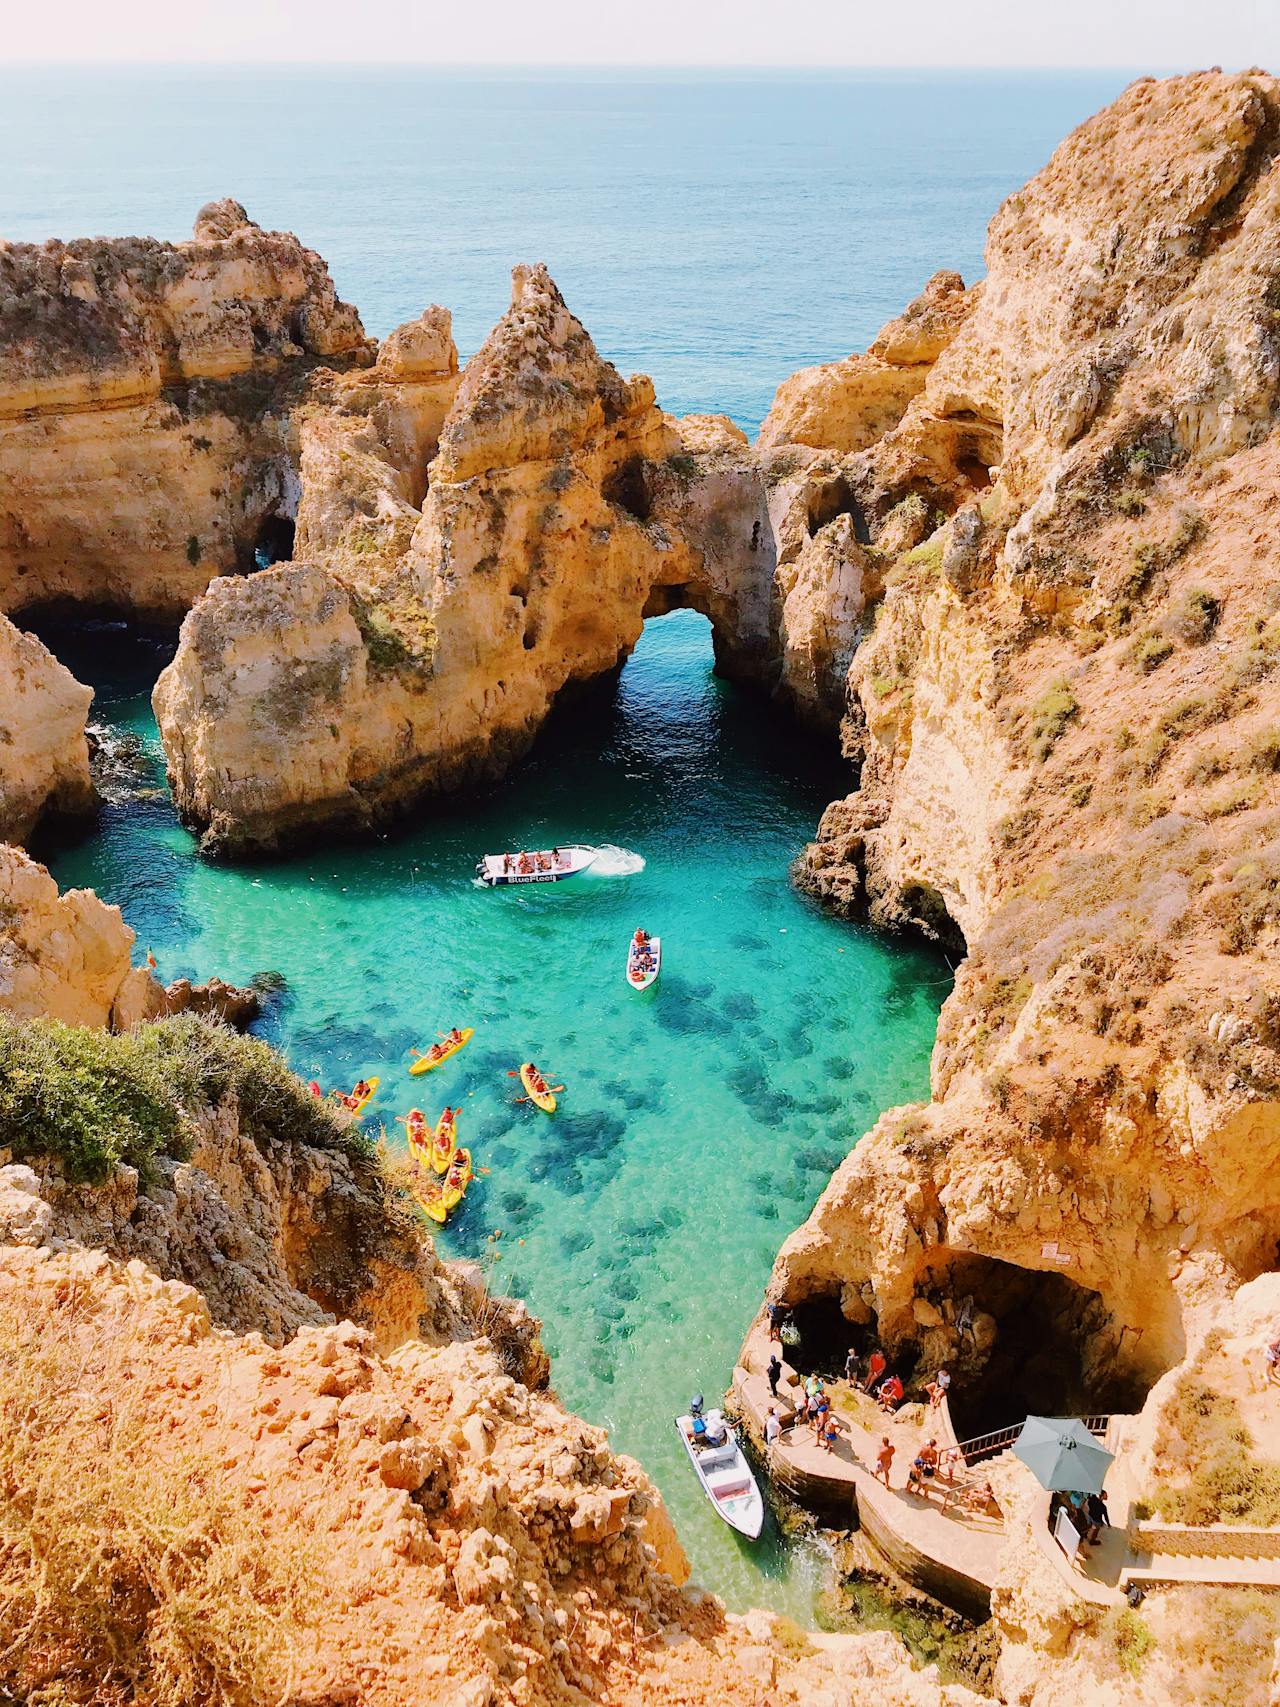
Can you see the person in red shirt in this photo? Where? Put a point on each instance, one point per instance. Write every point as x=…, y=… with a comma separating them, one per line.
x=875, y=1369
x=890, y=1393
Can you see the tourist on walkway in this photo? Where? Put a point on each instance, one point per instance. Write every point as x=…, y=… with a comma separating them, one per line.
x=820, y=1410
x=937, y=1389
x=1273, y=1363
x=772, y=1427
x=775, y=1313
x=1095, y=1509
x=851, y=1367
x=924, y=1467
x=889, y=1394
x=774, y=1372
x=875, y=1369
x=884, y=1459
x=830, y=1432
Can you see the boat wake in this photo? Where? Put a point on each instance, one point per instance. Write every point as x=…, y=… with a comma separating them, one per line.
x=611, y=861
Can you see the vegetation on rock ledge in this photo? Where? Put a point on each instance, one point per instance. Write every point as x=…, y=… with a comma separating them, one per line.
x=96, y=1100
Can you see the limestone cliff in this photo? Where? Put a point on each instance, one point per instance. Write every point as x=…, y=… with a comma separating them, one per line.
x=44, y=758
x=422, y=649
x=1063, y=712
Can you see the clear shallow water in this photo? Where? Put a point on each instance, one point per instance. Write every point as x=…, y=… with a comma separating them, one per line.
x=716, y=232
x=701, y=1119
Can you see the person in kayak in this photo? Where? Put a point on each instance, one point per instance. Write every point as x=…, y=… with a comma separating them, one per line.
x=363, y=1089
x=536, y=1080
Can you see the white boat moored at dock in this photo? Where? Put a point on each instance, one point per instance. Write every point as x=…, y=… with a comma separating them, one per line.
x=725, y=1475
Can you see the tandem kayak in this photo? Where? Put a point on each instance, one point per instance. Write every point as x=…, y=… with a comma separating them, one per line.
x=439, y=1052
x=445, y=1142
x=644, y=963
x=456, y=1181
x=549, y=865
x=357, y=1100
x=541, y=1099
x=725, y=1476
x=429, y=1193
x=418, y=1131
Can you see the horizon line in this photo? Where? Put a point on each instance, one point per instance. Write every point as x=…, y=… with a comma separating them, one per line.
x=262, y=62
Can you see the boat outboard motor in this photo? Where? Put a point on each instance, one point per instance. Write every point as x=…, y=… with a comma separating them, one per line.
x=696, y=1404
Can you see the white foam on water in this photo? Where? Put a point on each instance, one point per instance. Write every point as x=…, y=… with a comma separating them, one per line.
x=611, y=861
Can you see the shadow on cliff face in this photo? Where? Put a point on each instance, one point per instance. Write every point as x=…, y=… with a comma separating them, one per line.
x=1027, y=1342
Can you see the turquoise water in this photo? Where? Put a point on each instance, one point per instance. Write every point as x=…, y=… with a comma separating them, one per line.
x=701, y=1119
x=716, y=232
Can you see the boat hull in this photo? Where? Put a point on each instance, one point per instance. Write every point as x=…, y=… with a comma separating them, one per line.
x=726, y=1480
x=646, y=980
x=575, y=859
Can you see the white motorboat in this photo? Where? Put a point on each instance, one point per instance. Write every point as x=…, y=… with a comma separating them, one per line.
x=725, y=1475
x=644, y=963
x=548, y=865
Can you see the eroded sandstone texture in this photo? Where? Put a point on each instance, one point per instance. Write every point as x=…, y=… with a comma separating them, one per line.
x=1064, y=717
x=44, y=757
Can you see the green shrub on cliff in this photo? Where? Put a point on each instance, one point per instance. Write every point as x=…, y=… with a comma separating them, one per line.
x=97, y=1100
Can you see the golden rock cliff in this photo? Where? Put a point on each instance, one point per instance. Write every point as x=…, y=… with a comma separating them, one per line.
x=1063, y=711
x=44, y=757
x=147, y=396
x=424, y=644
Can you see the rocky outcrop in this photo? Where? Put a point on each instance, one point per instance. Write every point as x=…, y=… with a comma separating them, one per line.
x=849, y=405
x=419, y=651
x=419, y=1527
x=1062, y=717
x=147, y=407
x=65, y=957
x=69, y=957
x=44, y=757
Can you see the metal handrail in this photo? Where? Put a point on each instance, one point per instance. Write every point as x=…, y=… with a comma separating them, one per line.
x=998, y=1440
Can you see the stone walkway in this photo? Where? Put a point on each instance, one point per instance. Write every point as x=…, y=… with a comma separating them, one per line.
x=912, y=1529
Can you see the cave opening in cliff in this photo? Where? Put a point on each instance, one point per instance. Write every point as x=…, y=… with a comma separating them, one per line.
x=836, y=497
x=274, y=543
x=628, y=488
x=1027, y=1342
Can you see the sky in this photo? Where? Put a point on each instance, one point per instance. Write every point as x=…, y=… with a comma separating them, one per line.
x=1152, y=35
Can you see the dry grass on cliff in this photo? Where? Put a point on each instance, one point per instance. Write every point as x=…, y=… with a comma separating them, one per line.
x=129, y=1569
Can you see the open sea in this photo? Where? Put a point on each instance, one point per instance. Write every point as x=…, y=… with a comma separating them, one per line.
x=716, y=233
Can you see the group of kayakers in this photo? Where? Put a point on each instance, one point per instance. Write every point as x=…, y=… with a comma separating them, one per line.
x=451, y=1040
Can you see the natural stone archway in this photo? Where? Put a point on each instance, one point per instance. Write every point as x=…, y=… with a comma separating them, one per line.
x=423, y=649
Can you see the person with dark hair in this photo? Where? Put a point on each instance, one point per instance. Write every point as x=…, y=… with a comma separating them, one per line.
x=774, y=1372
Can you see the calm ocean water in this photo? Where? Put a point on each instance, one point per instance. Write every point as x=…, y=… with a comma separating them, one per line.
x=716, y=233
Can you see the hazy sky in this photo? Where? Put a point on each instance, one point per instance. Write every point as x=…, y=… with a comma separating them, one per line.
x=1155, y=34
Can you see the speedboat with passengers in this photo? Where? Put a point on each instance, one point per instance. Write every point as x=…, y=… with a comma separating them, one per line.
x=721, y=1466
x=548, y=865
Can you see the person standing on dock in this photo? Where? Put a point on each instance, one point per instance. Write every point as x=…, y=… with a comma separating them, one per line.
x=772, y=1427
x=774, y=1371
x=884, y=1459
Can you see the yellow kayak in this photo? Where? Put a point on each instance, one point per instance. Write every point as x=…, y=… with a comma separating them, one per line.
x=439, y=1052
x=456, y=1181
x=445, y=1142
x=430, y=1196
x=358, y=1103
x=419, y=1134
x=542, y=1099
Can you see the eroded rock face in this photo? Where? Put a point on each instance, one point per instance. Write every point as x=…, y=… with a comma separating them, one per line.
x=147, y=393
x=462, y=1539
x=63, y=957
x=1062, y=720
x=422, y=650
x=44, y=757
